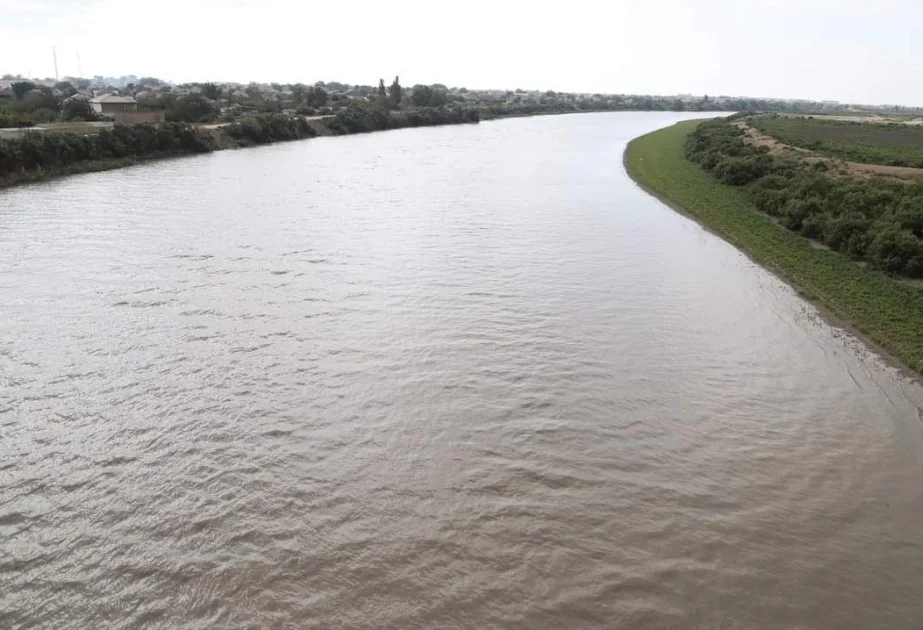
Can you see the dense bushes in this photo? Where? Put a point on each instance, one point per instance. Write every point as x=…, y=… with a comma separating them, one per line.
x=267, y=128
x=362, y=118
x=878, y=220
x=42, y=151
x=426, y=96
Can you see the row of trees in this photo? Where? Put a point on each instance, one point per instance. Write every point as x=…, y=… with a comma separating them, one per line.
x=364, y=117
x=39, y=152
x=421, y=96
x=876, y=220
x=268, y=128
x=45, y=151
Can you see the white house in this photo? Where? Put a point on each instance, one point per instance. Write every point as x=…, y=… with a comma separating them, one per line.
x=113, y=103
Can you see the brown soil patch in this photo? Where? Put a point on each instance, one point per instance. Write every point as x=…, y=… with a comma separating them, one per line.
x=837, y=168
x=757, y=139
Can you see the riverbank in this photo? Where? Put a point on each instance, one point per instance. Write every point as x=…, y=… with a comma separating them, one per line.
x=883, y=309
x=41, y=157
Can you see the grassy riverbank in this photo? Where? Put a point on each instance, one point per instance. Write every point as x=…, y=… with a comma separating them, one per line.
x=885, y=309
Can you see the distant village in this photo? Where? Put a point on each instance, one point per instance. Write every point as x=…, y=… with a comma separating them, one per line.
x=49, y=103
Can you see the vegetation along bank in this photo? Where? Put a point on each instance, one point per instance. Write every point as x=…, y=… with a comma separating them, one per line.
x=226, y=115
x=37, y=156
x=851, y=245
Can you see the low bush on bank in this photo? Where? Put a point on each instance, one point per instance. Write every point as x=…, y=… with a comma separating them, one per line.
x=41, y=154
x=266, y=128
x=43, y=151
x=362, y=118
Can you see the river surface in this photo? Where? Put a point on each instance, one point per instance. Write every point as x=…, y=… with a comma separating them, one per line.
x=458, y=377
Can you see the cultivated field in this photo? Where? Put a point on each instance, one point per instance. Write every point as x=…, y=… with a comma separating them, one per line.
x=890, y=144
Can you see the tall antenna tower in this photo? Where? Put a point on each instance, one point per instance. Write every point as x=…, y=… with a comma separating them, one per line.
x=79, y=65
x=54, y=54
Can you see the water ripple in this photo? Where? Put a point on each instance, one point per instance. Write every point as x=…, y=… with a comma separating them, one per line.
x=462, y=377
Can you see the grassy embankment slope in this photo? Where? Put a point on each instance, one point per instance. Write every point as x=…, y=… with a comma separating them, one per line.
x=889, y=312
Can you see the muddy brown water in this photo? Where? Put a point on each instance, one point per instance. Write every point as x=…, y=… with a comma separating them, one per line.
x=459, y=377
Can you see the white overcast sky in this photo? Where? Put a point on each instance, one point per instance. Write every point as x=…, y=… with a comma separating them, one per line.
x=868, y=51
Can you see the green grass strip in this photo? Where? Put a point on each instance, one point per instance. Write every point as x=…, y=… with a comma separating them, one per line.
x=888, y=311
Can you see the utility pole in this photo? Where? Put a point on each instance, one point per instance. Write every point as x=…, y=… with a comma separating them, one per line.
x=54, y=54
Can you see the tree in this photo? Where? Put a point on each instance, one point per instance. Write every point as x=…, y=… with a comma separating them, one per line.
x=20, y=88
x=66, y=87
x=317, y=97
x=191, y=108
x=211, y=91
x=381, y=98
x=77, y=109
x=396, y=92
x=426, y=96
x=897, y=250
x=421, y=95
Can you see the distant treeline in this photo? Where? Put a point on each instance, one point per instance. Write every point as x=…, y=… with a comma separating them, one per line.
x=876, y=220
x=559, y=105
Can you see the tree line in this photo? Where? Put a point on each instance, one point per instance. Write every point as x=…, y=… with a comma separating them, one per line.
x=364, y=117
x=49, y=151
x=38, y=153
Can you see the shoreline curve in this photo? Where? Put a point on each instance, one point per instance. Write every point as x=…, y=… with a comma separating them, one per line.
x=908, y=361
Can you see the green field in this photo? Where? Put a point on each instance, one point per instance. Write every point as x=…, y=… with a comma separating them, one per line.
x=888, y=144
x=887, y=310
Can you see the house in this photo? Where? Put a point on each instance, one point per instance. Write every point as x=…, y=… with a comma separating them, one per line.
x=113, y=104
x=123, y=109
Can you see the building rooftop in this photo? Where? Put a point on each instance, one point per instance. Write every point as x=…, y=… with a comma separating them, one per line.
x=112, y=98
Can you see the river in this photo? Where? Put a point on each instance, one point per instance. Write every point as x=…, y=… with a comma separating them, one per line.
x=457, y=377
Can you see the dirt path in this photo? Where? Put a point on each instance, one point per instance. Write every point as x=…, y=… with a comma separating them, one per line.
x=837, y=168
